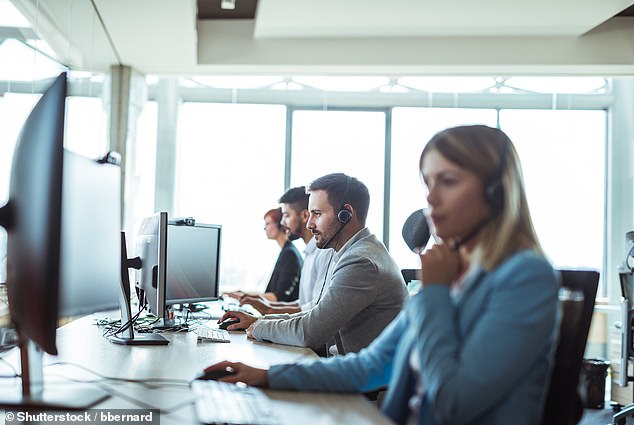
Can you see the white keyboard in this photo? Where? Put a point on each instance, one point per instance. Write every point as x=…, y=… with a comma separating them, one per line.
x=212, y=335
x=225, y=403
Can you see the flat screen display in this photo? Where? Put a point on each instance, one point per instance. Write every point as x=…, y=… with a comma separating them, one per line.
x=193, y=257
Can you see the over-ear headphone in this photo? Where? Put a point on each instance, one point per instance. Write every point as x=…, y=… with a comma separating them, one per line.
x=494, y=191
x=344, y=215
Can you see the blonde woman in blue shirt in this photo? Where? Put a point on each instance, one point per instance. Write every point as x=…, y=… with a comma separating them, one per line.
x=476, y=344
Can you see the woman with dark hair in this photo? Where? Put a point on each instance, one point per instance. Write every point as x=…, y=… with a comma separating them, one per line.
x=476, y=344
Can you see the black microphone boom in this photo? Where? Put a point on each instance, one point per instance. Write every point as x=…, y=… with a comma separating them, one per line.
x=416, y=231
x=334, y=236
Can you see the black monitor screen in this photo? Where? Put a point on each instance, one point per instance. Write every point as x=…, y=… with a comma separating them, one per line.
x=193, y=258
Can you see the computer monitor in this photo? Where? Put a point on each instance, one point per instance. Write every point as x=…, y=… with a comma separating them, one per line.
x=89, y=263
x=32, y=217
x=62, y=219
x=193, y=259
x=151, y=246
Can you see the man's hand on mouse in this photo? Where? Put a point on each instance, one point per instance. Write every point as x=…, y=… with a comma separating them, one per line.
x=246, y=320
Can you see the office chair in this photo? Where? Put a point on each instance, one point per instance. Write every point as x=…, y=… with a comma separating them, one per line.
x=627, y=323
x=563, y=404
x=410, y=274
x=412, y=280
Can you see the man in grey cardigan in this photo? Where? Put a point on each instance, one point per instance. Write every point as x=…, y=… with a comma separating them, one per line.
x=363, y=289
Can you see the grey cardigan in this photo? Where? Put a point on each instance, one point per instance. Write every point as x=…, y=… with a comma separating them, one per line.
x=364, y=293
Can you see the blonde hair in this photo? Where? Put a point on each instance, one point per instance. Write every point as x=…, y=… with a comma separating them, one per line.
x=490, y=155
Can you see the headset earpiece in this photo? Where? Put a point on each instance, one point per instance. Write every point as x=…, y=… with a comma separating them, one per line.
x=494, y=191
x=344, y=215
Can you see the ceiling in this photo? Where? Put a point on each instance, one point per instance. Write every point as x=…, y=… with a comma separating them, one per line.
x=177, y=37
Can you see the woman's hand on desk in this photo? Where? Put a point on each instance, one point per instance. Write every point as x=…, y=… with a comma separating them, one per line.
x=242, y=373
x=245, y=320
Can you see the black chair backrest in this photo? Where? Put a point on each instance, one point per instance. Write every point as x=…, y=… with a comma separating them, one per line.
x=410, y=274
x=563, y=405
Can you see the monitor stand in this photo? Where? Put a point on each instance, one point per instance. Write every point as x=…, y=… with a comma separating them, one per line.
x=138, y=339
x=164, y=323
x=127, y=336
x=194, y=307
x=36, y=396
x=168, y=321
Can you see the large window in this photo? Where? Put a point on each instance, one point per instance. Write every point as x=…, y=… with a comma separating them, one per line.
x=232, y=161
x=563, y=159
x=411, y=129
x=14, y=108
x=351, y=142
x=141, y=173
x=230, y=171
x=86, y=126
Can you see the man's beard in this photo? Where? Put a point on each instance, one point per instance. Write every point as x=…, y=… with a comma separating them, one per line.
x=292, y=236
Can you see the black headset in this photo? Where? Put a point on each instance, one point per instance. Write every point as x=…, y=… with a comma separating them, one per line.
x=344, y=215
x=494, y=191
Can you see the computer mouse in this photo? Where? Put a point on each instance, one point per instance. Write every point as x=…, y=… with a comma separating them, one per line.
x=228, y=322
x=214, y=375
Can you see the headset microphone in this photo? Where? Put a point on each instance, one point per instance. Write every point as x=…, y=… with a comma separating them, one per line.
x=461, y=241
x=334, y=236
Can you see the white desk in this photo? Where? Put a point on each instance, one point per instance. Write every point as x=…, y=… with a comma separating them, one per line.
x=80, y=342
